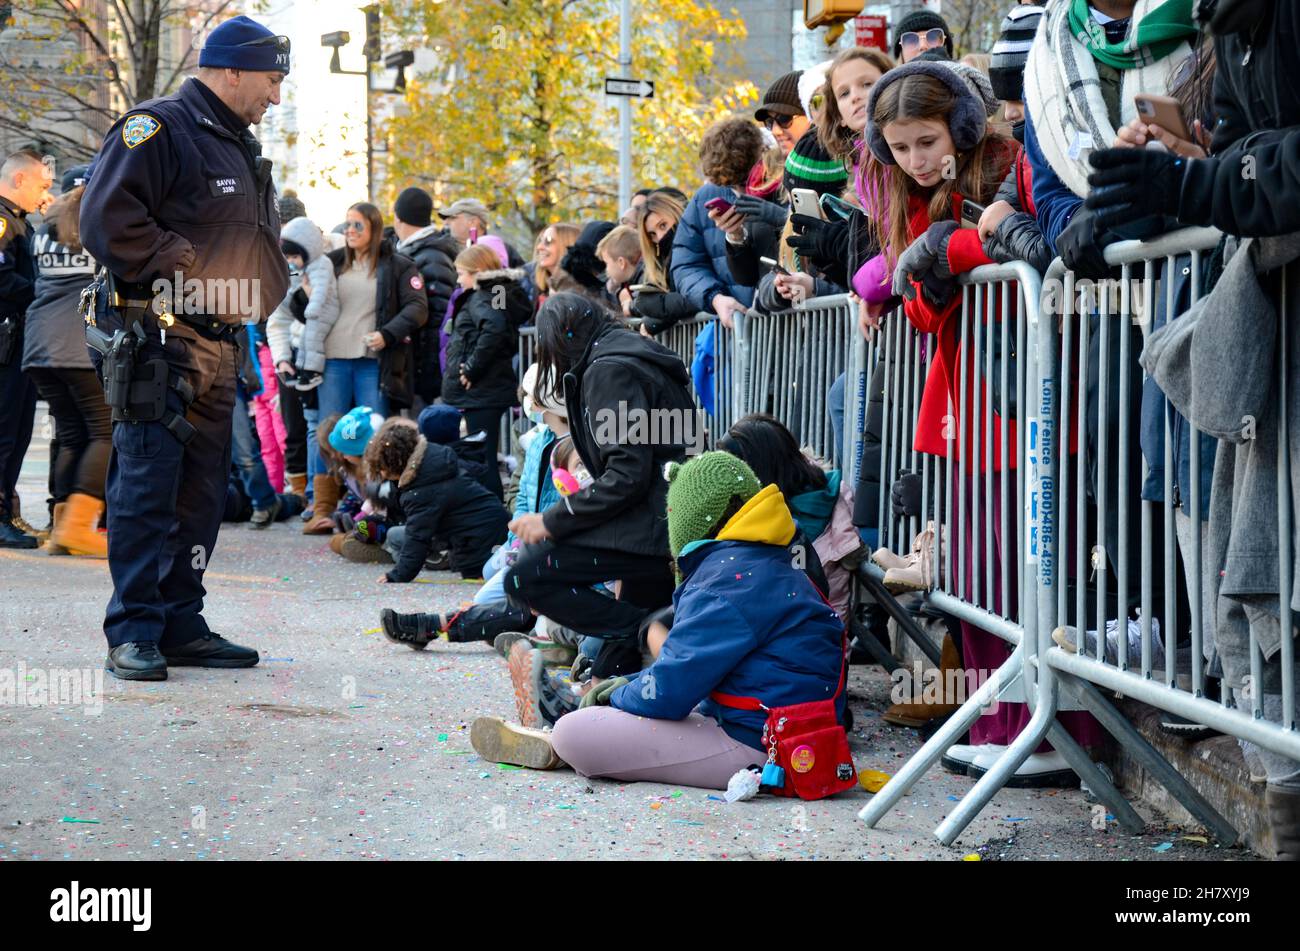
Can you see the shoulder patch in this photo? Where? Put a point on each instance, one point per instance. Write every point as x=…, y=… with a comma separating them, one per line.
x=4, y=226
x=417, y=283
x=138, y=129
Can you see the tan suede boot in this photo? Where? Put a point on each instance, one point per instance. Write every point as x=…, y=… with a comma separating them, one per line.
x=298, y=484
x=919, y=714
x=326, y=488
x=76, y=531
x=50, y=547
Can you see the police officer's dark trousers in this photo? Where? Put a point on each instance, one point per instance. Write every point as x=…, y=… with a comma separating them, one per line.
x=17, y=413
x=165, y=500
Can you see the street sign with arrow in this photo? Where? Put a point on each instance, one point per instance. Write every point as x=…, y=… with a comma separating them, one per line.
x=638, y=88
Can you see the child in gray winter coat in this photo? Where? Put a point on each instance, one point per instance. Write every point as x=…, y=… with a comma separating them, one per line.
x=312, y=274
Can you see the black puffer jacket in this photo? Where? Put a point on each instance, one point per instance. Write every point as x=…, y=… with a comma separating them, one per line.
x=621, y=378
x=1257, y=104
x=435, y=255
x=401, y=309
x=439, y=499
x=484, y=335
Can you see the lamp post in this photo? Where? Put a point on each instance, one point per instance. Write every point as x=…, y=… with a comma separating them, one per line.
x=337, y=40
x=399, y=61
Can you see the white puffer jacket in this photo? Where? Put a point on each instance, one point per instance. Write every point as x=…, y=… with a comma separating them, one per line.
x=284, y=334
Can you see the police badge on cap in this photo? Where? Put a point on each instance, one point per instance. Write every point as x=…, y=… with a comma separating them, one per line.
x=241, y=43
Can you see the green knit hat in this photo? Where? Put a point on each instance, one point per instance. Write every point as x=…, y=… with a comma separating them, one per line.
x=701, y=492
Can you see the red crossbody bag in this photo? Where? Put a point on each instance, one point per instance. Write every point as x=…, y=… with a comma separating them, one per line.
x=807, y=749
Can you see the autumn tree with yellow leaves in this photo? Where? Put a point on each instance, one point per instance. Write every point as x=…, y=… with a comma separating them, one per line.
x=515, y=114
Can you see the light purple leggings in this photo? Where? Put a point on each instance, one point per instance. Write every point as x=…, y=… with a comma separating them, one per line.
x=605, y=743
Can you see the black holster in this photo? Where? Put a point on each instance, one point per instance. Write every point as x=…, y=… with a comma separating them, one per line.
x=136, y=389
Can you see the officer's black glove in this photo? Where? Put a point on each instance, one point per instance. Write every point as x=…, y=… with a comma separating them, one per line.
x=905, y=495
x=1082, y=245
x=761, y=210
x=1133, y=183
x=825, y=243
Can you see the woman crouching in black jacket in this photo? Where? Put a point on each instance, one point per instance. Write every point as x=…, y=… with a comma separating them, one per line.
x=630, y=411
x=485, y=321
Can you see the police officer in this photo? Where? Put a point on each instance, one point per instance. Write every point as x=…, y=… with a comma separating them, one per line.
x=24, y=187
x=180, y=191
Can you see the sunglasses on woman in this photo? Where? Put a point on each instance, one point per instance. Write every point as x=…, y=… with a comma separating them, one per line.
x=782, y=121
x=933, y=38
x=354, y=226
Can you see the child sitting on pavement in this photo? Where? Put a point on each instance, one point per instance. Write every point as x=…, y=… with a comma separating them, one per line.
x=438, y=499
x=747, y=623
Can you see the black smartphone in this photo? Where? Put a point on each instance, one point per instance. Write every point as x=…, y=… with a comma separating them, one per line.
x=774, y=265
x=970, y=213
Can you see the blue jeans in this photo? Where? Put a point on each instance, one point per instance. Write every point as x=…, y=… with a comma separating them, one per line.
x=314, y=467
x=348, y=384
x=835, y=408
x=246, y=457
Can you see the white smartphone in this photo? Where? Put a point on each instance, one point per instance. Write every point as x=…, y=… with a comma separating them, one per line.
x=803, y=201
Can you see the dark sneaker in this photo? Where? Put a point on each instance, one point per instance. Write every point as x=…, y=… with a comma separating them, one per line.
x=439, y=562
x=212, y=650
x=413, y=630
x=136, y=660
x=11, y=536
x=506, y=640
x=555, y=696
x=1186, y=729
x=500, y=742
x=265, y=517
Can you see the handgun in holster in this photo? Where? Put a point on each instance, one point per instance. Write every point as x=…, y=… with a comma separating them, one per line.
x=135, y=389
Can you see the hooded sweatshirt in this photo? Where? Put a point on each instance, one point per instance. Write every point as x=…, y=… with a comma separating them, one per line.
x=746, y=623
x=322, y=303
x=622, y=380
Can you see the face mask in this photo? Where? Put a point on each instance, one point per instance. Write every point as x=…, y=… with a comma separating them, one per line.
x=536, y=416
x=1018, y=131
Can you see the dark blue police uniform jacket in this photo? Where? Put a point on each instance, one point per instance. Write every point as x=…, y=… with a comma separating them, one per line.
x=175, y=188
x=172, y=190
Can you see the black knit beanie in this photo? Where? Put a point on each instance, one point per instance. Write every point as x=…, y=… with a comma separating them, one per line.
x=414, y=206
x=919, y=21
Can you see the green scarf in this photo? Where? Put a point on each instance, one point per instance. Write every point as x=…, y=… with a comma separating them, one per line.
x=1157, y=35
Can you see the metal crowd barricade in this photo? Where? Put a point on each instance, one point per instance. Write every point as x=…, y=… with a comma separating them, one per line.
x=1154, y=677
x=792, y=357
x=975, y=495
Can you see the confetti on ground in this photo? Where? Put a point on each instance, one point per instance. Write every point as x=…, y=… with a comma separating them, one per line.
x=1163, y=847
x=971, y=857
x=87, y=821
x=442, y=737
x=1016, y=819
x=509, y=766
x=1196, y=838
x=374, y=630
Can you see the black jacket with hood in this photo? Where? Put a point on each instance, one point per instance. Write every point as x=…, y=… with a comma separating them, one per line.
x=401, y=309
x=434, y=254
x=623, y=380
x=1257, y=105
x=484, y=336
x=439, y=499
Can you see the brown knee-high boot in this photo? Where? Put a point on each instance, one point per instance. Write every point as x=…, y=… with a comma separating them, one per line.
x=326, y=488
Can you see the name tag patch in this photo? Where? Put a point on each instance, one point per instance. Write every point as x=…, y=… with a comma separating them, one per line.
x=226, y=186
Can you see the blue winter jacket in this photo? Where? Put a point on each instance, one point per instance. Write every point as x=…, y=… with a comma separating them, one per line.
x=747, y=623
x=1054, y=203
x=699, y=264
x=533, y=498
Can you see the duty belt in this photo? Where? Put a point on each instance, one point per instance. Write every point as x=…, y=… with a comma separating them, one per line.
x=210, y=327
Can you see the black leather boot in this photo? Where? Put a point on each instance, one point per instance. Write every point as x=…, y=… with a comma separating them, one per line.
x=136, y=660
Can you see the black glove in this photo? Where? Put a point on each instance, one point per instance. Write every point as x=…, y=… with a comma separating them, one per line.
x=826, y=243
x=1081, y=246
x=649, y=305
x=926, y=260
x=761, y=210
x=905, y=495
x=1134, y=183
